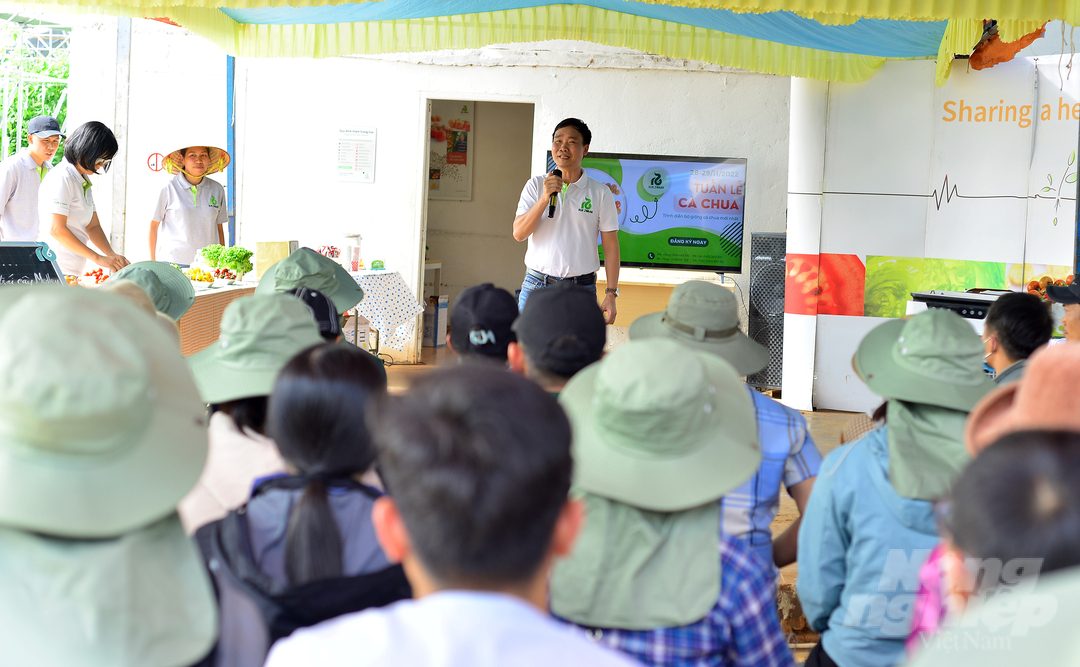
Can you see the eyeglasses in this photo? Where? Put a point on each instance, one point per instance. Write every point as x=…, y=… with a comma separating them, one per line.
x=103, y=164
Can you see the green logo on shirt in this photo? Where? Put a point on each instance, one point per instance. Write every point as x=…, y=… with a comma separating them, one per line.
x=213, y=200
x=586, y=206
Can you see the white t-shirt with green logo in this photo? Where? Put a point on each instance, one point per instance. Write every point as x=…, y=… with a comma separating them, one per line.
x=565, y=245
x=65, y=191
x=189, y=217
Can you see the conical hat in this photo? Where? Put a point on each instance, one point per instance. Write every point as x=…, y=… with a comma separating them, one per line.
x=219, y=159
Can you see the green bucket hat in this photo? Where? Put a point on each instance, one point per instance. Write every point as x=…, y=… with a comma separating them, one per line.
x=933, y=358
x=143, y=598
x=660, y=427
x=259, y=334
x=101, y=427
x=307, y=268
x=704, y=316
x=167, y=287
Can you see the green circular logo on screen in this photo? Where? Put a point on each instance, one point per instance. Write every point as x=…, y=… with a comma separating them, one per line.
x=653, y=184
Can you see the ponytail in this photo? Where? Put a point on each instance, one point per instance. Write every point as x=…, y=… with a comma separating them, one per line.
x=312, y=539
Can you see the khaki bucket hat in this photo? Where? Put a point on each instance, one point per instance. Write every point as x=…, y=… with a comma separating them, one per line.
x=1045, y=399
x=259, y=334
x=169, y=289
x=933, y=358
x=101, y=427
x=660, y=427
x=219, y=159
x=307, y=268
x=704, y=316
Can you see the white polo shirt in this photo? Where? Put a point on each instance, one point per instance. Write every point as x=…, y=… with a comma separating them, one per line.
x=565, y=245
x=19, y=185
x=189, y=216
x=444, y=629
x=66, y=192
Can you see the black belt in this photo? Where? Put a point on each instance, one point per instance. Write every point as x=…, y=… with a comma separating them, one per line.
x=583, y=279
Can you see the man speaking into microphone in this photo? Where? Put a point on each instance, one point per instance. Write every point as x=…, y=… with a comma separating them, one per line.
x=561, y=214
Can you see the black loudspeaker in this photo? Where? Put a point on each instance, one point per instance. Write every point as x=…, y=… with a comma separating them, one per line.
x=765, y=316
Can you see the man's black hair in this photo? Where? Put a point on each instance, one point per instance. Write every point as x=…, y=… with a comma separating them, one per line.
x=1021, y=323
x=579, y=125
x=477, y=461
x=312, y=417
x=1020, y=498
x=246, y=413
x=89, y=143
x=184, y=150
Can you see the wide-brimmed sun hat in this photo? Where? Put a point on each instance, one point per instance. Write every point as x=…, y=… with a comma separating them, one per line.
x=307, y=268
x=704, y=316
x=1045, y=399
x=101, y=427
x=219, y=159
x=661, y=427
x=259, y=334
x=169, y=289
x=141, y=598
x=934, y=358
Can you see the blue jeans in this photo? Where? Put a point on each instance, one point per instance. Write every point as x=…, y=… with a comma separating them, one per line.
x=532, y=283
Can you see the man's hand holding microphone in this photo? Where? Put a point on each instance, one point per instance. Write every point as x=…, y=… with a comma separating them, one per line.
x=553, y=185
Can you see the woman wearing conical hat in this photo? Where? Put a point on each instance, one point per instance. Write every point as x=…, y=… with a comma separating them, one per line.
x=191, y=211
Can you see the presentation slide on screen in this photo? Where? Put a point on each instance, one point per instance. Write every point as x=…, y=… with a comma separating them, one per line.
x=675, y=212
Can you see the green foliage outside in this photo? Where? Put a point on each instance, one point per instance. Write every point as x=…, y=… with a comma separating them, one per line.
x=40, y=98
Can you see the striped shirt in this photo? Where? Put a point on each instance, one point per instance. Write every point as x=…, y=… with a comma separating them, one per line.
x=789, y=456
x=742, y=629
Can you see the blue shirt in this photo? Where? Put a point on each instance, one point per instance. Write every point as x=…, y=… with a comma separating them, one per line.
x=788, y=456
x=860, y=548
x=742, y=629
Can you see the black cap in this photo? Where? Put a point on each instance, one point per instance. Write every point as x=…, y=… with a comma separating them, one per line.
x=1070, y=294
x=562, y=328
x=43, y=126
x=322, y=309
x=480, y=320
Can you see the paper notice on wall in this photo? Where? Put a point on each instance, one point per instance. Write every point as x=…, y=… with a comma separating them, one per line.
x=451, y=153
x=356, y=155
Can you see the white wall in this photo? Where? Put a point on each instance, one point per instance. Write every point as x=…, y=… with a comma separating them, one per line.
x=470, y=237
x=292, y=108
x=177, y=98
x=288, y=113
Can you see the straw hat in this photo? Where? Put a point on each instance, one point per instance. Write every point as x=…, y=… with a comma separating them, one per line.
x=259, y=334
x=168, y=288
x=933, y=358
x=219, y=159
x=704, y=316
x=661, y=427
x=101, y=427
x=1045, y=399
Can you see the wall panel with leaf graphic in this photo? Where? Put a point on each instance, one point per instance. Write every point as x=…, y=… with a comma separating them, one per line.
x=972, y=184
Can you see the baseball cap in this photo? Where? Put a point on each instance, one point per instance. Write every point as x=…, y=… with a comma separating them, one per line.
x=322, y=309
x=44, y=126
x=481, y=320
x=562, y=328
x=1070, y=294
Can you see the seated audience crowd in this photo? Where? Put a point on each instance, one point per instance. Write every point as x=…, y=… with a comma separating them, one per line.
x=544, y=502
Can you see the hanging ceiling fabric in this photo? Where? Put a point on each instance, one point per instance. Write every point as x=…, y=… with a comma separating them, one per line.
x=835, y=40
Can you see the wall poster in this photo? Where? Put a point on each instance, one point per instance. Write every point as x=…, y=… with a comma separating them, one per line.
x=450, y=153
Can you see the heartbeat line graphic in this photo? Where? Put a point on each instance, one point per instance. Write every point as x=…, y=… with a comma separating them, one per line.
x=943, y=195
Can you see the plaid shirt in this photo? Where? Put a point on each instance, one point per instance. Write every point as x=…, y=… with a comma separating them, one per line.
x=789, y=456
x=742, y=630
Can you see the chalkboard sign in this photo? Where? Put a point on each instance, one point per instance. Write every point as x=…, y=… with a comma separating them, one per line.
x=26, y=262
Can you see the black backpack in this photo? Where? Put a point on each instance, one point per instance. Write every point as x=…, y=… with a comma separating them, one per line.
x=255, y=610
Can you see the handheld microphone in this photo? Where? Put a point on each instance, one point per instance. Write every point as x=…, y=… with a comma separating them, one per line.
x=554, y=196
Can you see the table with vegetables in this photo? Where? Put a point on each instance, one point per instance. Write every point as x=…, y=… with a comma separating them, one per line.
x=217, y=285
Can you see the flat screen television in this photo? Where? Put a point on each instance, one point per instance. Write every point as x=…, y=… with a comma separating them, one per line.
x=674, y=212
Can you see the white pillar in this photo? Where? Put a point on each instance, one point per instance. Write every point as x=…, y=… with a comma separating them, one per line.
x=806, y=176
